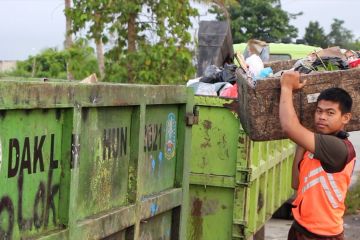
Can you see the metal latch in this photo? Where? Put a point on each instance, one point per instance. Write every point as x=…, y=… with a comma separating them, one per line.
x=239, y=229
x=243, y=177
x=193, y=118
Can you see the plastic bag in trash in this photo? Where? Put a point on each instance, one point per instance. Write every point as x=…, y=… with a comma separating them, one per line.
x=354, y=63
x=192, y=81
x=211, y=75
x=264, y=73
x=209, y=89
x=259, y=48
x=228, y=73
x=322, y=63
x=201, y=88
x=330, y=63
x=230, y=92
x=214, y=74
x=255, y=65
x=211, y=71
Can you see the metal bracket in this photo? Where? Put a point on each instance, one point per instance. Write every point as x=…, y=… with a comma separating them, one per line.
x=243, y=177
x=239, y=229
x=193, y=118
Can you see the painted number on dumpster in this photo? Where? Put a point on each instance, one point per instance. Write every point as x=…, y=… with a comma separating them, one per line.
x=152, y=137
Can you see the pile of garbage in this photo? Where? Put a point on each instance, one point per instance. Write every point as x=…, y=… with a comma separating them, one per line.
x=222, y=81
x=329, y=59
x=216, y=81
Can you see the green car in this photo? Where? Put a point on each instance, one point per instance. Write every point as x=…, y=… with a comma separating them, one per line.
x=283, y=51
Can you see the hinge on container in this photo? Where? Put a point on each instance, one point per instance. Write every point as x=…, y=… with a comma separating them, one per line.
x=243, y=177
x=193, y=118
x=239, y=229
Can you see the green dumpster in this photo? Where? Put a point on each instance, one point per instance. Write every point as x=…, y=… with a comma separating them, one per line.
x=235, y=184
x=102, y=161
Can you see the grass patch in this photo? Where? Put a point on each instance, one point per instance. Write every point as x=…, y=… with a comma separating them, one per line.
x=352, y=201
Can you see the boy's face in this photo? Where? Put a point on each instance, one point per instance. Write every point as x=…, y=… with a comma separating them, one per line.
x=328, y=117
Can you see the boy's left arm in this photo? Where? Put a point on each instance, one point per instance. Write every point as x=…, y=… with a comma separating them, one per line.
x=289, y=121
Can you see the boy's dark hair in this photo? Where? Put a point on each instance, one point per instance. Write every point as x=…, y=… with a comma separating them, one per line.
x=337, y=95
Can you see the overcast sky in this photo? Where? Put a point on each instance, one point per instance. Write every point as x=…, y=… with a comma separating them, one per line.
x=28, y=26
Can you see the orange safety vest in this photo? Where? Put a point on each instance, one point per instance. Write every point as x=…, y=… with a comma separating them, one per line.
x=319, y=204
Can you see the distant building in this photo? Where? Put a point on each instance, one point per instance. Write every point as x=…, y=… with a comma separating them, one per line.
x=7, y=65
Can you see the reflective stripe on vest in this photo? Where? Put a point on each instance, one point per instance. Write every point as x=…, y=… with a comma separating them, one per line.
x=319, y=204
x=324, y=185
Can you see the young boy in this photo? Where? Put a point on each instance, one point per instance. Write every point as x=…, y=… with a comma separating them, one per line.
x=323, y=162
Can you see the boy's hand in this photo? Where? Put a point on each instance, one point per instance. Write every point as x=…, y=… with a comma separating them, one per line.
x=291, y=80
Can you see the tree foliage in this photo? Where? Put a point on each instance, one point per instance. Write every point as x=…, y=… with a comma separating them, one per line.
x=315, y=35
x=51, y=63
x=260, y=19
x=339, y=35
x=147, y=39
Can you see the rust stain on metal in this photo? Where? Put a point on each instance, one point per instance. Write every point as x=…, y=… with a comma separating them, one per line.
x=260, y=204
x=120, y=102
x=207, y=124
x=205, y=207
x=225, y=143
x=206, y=143
x=196, y=208
x=234, y=107
x=196, y=220
x=210, y=207
x=94, y=97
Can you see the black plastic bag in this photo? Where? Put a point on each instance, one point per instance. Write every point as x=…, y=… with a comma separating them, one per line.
x=213, y=74
x=323, y=63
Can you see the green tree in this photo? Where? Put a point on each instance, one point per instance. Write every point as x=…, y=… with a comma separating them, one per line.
x=92, y=15
x=315, y=35
x=68, y=37
x=260, y=19
x=52, y=63
x=148, y=39
x=221, y=5
x=355, y=45
x=339, y=35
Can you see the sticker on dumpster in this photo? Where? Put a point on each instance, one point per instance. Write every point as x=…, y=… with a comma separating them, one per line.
x=311, y=98
x=170, y=136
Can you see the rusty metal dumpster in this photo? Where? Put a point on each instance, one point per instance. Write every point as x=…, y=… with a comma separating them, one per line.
x=103, y=161
x=235, y=184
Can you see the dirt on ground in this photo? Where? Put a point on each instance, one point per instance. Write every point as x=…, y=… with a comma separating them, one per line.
x=352, y=227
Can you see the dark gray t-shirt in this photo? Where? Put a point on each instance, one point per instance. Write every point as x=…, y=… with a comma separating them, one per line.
x=333, y=152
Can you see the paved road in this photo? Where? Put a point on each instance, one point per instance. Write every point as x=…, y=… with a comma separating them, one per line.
x=355, y=139
x=277, y=229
